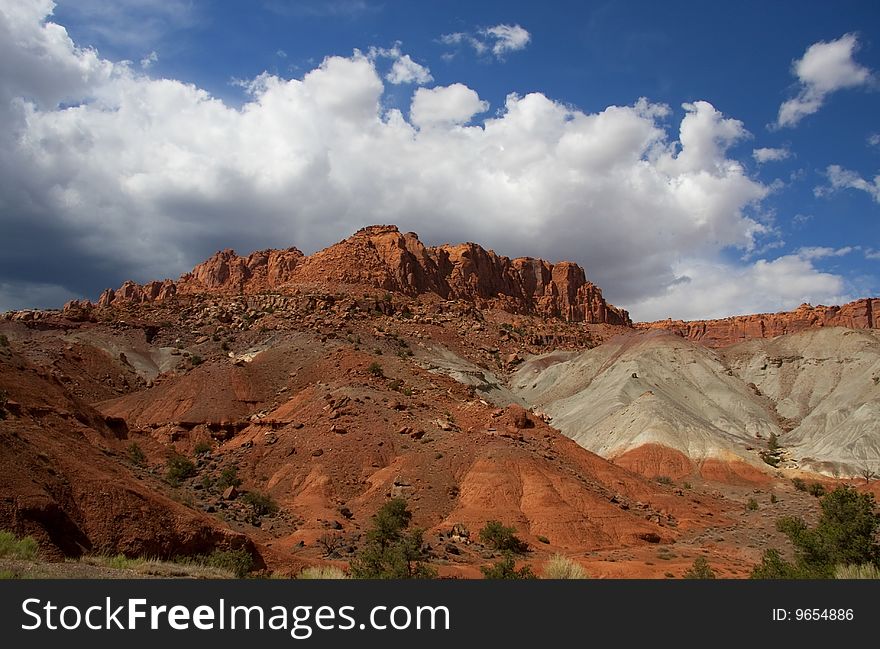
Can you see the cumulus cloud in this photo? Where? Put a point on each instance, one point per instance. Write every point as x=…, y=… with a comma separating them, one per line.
x=840, y=178
x=825, y=68
x=107, y=174
x=445, y=105
x=403, y=69
x=709, y=290
x=768, y=154
x=507, y=38
x=499, y=40
x=874, y=139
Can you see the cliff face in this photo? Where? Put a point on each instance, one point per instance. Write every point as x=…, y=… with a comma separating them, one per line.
x=861, y=314
x=383, y=257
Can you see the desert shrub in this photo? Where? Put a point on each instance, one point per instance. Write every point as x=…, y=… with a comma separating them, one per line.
x=4, y=341
x=261, y=503
x=375, y=369
x=863, y=571
x=773, y=499
x=322, y=572
x=700, y=569
x=392, y=551
x=687, y=485
x=561, y=567
x=12, y=547
x=845, y=535
x=503, y=538
x=799, y=484
x=202, y=448
x=773, y=443
x=229, y=478
x=505, y=568
x=543, y=539
x=179, y=469
x=136, y=454
x=240, y=562
x=330, y=544
x=752, y=505
x=664, y=479
x=816, y=489
x=195, y=359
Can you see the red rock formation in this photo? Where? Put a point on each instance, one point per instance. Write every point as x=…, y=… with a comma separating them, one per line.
x=381, y=256
x=861, y=314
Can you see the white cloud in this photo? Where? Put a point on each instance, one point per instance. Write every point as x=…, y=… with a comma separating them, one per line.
x=143, y=178
x=767, y=154
x=716, y=290
x=874, y=139
x=445, y=105
x=499, y=40
x=508, y=38
x=403, y=69
x=825, y=68
x=149, y=60
x=823, y=252
x=840, y=178
x=872, y=254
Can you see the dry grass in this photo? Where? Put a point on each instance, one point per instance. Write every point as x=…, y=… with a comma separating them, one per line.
x=864, y=571
x=561, y=567
x=322, y=572
x=157, y=567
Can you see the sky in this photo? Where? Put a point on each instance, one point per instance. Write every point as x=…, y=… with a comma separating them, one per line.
x=699, y=159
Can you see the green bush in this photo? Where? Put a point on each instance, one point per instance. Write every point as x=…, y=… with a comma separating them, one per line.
x=202, y=448
x=799, y=484
x=229, y=478
x=136, y=455
x=561, y=567
x=375, y=369
x=392, y=551
x=240, y=562
x=773, y=499
x=14, y=548
x=816, y=489
x=506, y=569
x=543, y=539
x=844, y=535
x=261, y=503
x=700, y=570
x=503, y=538
x=179, y=469
x=752, y=505
x=4, y=341
x=664, y=479
x=195, y=359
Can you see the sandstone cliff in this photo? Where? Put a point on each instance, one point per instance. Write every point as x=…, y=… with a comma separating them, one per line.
x=382, y=257
x=861, y=314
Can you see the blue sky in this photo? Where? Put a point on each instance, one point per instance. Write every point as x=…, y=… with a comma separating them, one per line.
x=747, y=179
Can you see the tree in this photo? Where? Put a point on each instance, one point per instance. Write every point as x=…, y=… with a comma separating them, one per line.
x=844, y=535
x=392, y=551
x=506, y=569
x=501, y=537
x=700, y=570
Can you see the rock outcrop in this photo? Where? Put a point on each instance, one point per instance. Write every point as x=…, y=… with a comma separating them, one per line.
x=382, y=257
x=861, y=314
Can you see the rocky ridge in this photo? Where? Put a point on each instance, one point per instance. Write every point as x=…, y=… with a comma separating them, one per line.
x=860, y=314
x=382, y=257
